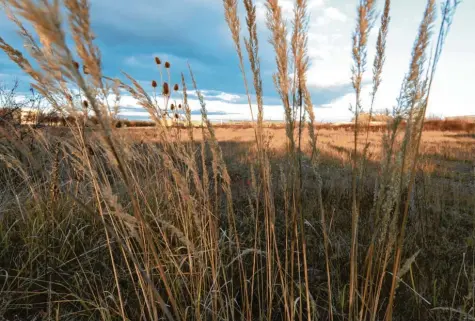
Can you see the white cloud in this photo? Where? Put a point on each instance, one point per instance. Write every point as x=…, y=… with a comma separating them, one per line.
x=218, y=109
x=227, y=97
x=331, y=14
x=220, y=95
x=287, y=8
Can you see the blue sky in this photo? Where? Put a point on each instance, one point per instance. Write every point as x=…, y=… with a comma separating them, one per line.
x=131, y=33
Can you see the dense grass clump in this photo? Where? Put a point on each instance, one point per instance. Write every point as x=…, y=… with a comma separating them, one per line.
x=100, y=221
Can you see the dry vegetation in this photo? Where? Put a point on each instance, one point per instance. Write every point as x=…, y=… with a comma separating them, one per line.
x=303, y=222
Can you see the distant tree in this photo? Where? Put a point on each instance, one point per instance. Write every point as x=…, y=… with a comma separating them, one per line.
x=13, y=104
x=10, y=109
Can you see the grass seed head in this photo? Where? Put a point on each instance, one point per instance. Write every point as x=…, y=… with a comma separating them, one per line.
x=158, y=61
x=167, y=65
x=154, y=84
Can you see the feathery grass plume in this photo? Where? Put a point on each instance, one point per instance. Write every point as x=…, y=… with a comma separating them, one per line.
x=378, y=65
x=448, y=11
x=299, y=49
x=45, y=18
x=18, y=58
x=277, y=27
x=222, y=170
x=143, y=99
x=187, y=110
x=304, y=105
x=232, y=19
x=252, y=47
x=276, y=24
x=365, y=17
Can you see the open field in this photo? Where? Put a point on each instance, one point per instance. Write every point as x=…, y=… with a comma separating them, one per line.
x=440, y=226
x=443, y=152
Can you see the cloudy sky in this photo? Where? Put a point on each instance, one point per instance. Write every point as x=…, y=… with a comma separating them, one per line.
x=131, y=33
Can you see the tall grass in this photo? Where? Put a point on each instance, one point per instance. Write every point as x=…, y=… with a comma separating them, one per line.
x=96, y=226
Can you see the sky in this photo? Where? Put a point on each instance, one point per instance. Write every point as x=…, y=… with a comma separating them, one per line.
x=131, y=33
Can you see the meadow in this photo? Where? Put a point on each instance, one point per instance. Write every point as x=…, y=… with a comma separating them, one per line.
x=291, y=221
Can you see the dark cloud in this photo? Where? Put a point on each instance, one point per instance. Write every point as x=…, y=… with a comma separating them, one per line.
x=188, y=31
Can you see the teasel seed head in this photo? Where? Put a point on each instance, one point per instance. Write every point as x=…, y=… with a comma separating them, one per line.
x=166, y=89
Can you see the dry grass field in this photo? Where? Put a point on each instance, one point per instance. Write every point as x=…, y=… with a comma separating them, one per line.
x=444, y=153
x=438, y=248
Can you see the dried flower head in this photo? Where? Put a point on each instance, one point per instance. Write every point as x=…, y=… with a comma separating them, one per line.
x=157, y=61
x=172, y=107
x=85, y=103
x=176, y=87
x=154, y=84
x=179, y=106
x=166, y=89
x=167, y=65
x=176, y=116
x=76, y=65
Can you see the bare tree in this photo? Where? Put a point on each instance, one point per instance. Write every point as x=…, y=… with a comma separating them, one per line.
x=12, y=103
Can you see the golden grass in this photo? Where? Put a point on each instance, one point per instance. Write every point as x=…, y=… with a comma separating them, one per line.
x=259, y=223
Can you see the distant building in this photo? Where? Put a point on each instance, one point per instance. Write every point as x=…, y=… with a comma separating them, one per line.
x=29, y=116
